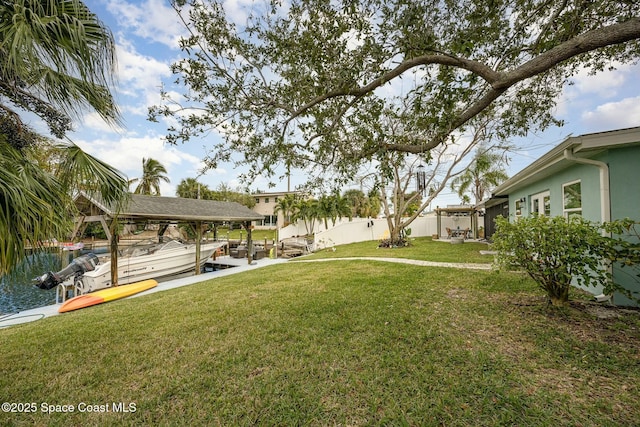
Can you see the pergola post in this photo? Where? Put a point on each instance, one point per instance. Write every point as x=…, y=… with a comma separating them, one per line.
x=474, y=223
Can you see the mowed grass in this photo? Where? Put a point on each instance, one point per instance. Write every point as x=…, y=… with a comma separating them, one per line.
x=421, y=248
x=333, y=343
x=256, y=235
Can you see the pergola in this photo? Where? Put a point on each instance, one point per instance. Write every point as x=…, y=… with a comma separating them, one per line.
x=160, y=210
x=458, y=210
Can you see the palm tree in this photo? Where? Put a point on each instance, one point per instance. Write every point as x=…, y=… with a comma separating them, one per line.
x=308, y=211
x=56, y=61
x=333, y=207
x=358, y=201
x=485, y=172
x=152, y=172
x=286, y=205
x=373, y=208
x=340, y=208
x=190, y=188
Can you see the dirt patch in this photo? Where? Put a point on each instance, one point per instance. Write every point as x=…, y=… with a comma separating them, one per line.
x=457, y=293
x=585, y=320
x=602, y=311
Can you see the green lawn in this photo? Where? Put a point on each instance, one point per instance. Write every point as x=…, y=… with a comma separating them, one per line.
x=334, y=343
x=421, y=248
x=256, y=235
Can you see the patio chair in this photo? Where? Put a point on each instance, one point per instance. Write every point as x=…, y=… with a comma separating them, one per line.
x=448, y=232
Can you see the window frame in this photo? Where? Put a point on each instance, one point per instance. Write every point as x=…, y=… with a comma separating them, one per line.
x=568, y=212
x=543, y=202
x=519, y=207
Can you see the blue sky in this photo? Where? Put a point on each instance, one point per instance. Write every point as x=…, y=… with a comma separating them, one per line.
x=147, y=31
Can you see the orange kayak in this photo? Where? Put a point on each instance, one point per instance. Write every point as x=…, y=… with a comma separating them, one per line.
x=106, y=295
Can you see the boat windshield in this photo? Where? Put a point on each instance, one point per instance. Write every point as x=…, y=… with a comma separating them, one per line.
x=147, y=247
x=171, y=244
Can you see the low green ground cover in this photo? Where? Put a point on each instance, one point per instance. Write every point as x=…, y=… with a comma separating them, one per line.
x=333, y=343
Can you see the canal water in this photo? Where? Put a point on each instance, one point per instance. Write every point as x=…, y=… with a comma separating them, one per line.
x=17, y=291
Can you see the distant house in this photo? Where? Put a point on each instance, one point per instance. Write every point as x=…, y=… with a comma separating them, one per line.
x=265, y=206
x=595, y=176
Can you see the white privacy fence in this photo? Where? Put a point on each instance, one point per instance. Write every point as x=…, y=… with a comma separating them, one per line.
x=362, y=229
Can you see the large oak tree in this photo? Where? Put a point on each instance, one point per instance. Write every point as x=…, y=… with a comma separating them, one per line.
x=294, y=82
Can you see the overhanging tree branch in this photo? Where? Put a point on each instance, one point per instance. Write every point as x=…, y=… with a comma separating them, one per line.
x=292, y=82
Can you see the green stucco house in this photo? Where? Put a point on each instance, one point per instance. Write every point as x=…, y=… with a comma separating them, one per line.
x=595, y=175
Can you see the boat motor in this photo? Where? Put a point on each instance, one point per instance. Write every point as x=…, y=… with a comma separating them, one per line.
x=77, y=267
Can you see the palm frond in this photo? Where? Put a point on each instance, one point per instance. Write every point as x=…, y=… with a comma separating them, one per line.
x=32, y=206
x=81, y=171
x=48, y=44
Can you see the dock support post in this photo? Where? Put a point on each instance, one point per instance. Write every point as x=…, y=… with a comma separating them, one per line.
x=247, y=225
x=113, y=249
x=198, y=244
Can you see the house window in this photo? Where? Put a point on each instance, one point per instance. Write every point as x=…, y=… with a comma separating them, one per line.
x=266, y=200
x=541, y=203
x=520, y=203
x=572, y=199
x=270, y=220
x=257, y=199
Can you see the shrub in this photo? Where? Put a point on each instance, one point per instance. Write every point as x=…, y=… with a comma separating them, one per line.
x=553, y=251
x=626, y=247
x=624, y=253
x=403, y=240
x=388, y=243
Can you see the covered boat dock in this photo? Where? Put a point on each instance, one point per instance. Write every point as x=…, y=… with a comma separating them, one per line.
x=142, y=209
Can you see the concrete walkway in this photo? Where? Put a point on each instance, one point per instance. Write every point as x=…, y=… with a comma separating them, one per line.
x=239, y=266
x=469, y=266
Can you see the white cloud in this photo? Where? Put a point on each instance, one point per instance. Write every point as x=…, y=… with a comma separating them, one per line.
x=140, y=76
x=587, y=90
x=94, y=122
x=238, y=11
x=126, y=153
x=151, y=19
x=614, y=115
x=605, y=84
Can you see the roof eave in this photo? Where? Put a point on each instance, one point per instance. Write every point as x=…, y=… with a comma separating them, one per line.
x=550, y=158
x=588, y=143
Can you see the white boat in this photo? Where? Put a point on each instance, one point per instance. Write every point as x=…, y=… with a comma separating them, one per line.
x=149, y=261
x=139, y=262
